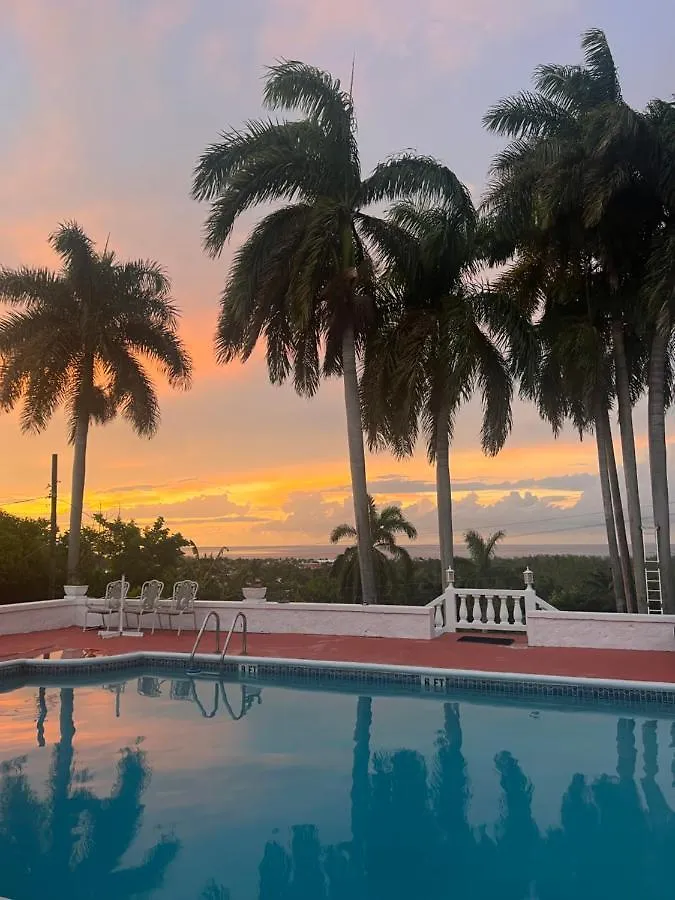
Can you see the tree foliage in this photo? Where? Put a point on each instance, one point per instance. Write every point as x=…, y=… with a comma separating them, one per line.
x=392, y=562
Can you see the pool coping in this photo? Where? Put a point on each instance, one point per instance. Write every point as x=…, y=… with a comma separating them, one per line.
x=412, y=679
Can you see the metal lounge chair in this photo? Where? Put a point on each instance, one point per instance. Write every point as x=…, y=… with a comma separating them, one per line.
x=112, y=602
x=146, y=604
x=182, y=603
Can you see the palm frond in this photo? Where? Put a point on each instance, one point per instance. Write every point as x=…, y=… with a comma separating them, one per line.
x=342, y=531
x=289, y=172
x=161, y=344
x=600, y=65
x=221, y=161
x=32, y=287
x=527, y=115
x=414, y=177
x=131, y=391
x=298, y=87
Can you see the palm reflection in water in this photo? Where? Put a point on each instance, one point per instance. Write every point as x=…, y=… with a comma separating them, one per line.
x=410, y=831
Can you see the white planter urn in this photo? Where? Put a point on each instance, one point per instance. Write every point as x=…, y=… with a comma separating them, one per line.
x=75, y=590
x=254, y=593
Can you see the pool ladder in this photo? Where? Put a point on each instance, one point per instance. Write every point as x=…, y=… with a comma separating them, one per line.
x=244, y=632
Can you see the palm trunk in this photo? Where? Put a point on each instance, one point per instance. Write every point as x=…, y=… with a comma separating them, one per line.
x=619, y=520
x=444, y=498
x=61, y=776
x=357, y=465
x=77, y=497
x=614, y=564
x=360, y=771
x=656, y=406
x=630, y=466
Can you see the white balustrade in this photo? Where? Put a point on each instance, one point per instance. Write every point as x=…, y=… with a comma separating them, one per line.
x=485, y=609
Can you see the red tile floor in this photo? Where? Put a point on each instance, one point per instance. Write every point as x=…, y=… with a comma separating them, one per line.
x=443, y=652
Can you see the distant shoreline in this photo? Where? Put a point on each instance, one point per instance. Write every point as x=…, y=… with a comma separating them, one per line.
x=419, y=551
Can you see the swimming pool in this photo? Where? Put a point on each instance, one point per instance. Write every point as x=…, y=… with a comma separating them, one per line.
x=159, y=786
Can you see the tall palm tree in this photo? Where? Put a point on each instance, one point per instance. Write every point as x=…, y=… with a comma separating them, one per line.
x=79, y=338
x=446, y=338
x=568, y=173
x=482, y=552
x=304, y=280
x=568, y=328
x=384, y=526
x=659, y=291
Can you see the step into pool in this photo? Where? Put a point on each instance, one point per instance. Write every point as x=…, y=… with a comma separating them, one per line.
x=162, y=786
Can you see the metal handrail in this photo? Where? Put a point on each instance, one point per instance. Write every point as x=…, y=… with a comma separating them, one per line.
x=244, y=631
x=247, y=701
x=199, y=703
x=201, y=632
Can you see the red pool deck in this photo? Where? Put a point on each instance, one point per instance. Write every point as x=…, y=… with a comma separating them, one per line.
x=445, y=652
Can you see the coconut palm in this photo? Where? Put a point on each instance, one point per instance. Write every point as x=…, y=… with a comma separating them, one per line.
x=659, y=292
x=445, y=339
x=569, y=176
x=304, y=280
x=568, y=328
x=482, y=553
x=384, y=526
x=80, y=338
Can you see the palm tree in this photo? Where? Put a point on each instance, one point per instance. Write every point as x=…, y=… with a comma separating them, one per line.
x=445, y=339
x=567, y=328
x=659, y=292
x=304, y=280
x=568, y=176
x=79, y=339
x=384, y=526
x=482, y=553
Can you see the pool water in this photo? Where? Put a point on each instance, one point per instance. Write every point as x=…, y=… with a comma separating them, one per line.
x=152, y=789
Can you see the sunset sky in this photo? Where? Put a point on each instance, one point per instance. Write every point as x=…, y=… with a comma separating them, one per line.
x=105, y=108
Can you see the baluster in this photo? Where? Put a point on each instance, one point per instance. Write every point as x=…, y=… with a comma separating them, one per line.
x=490, y=609
x=463, y=612
x=518, y=611
x=438, y=619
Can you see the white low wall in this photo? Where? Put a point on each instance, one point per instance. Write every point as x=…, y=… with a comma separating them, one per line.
x=263, y=618
x=43, y=615
x=615, y=631
x=325, y=618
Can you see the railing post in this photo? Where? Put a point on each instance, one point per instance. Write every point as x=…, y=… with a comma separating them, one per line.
x=450, y=602
x=530, y=593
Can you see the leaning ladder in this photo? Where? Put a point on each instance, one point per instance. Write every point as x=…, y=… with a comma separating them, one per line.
x=653, y=573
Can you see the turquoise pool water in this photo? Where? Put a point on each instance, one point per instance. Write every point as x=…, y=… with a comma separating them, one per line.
x=142, y=789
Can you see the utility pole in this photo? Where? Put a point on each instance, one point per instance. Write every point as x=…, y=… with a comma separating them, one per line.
x=53, y=526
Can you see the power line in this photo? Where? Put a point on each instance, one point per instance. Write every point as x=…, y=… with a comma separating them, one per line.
x=25, y=500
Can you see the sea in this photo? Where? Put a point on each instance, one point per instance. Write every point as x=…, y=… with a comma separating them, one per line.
x=418, y=551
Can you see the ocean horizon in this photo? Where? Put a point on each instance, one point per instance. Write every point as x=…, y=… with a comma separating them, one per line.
x=418, y=551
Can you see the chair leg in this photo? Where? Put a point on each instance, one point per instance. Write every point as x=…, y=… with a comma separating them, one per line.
x=86, y=613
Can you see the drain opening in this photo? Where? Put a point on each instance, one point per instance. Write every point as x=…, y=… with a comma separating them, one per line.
x=486, y=639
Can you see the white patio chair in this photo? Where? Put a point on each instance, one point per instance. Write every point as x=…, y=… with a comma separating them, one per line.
x=146, y=604
x=115, y=594
x=182, y=603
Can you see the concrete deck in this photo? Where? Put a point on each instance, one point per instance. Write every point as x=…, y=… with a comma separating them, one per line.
x=444, y=652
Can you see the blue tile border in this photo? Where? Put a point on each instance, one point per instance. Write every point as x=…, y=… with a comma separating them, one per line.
x=331, y=675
